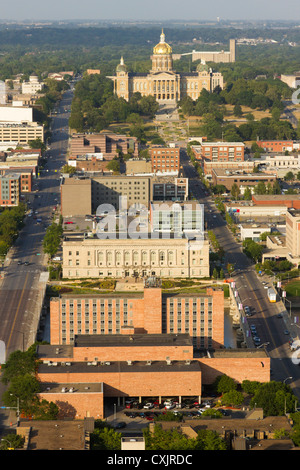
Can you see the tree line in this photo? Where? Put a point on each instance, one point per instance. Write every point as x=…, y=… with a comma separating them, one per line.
x=94, y=106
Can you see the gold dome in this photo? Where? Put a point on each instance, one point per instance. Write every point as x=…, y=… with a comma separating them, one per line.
x=162, y=47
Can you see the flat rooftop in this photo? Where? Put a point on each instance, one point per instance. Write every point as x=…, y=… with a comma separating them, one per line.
x=112, y=367
x=294, y=212
x=241, y=173
x=275, y=197
x=136, y=340
x=54, y=387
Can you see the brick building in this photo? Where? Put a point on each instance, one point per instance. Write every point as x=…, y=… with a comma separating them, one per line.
x=80, y=377
x=165, y=159
x=10, y=190
x=208, y=166
x=276, y=145
x=240, y=178
x=284, y=200
x=26, y=177
x=201, y=315
x=220, y=151
x=108, y=145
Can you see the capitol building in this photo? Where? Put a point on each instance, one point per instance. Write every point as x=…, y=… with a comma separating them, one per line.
x=162, y=82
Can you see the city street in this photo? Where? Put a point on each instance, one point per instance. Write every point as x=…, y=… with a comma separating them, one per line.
x=23, y=286
x=271, y=329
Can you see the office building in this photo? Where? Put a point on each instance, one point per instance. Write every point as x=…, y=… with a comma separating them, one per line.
x=293, y=235
x=212, y=56
x=21, y=133
x=149, y=312
x=9, y=190
x=122, y=254
x=176, y=217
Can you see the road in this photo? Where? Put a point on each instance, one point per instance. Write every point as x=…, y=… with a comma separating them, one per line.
x=23, y=286
x=270, y=328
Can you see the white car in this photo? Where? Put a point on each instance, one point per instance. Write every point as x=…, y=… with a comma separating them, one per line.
x=169, y=406
x=148, y=406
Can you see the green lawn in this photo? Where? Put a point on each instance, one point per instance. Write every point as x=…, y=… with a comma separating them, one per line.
x=293, y=288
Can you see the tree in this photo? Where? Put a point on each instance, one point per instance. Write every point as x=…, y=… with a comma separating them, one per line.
x=37, y=144
x=289, y=176
x=235, y=191
x=233, y=397
x=114, y=165
x=276, y=187
x=237, y=110
x=260, y=188
x=215, y=273
x=52, y=239
x=25, y=387
x=247, y=194
x=105, y=438
x=224, y=384
x=18, y=363
x=253, y=250
x=12, y=441
x=275, y=398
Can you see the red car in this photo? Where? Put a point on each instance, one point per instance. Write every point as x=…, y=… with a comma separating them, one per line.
x=69, y=222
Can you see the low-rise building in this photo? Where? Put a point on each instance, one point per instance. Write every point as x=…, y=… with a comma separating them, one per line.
x=246, y=166
x=141, y=366
x=136, y=166
x=165, y=159
x=253, y=231
x=33, y=85
x=108, y=145
x=120, y=255
x=170, y=188
x=240, y=178
x=280, y=164
x=278, y=145
x=220, y=151
x=247, y=210
x=284, y=200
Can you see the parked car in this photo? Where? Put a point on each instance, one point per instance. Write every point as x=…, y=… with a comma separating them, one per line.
x=148, y=406
x=121, y=425
x=169, y=406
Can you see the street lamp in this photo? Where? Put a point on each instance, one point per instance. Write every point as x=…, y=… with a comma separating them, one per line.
x=18, y=407
x=9, y=448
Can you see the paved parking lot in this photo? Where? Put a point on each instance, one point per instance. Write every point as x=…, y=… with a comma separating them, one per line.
x=136, y=419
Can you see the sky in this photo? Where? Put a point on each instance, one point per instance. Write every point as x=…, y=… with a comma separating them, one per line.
x=150, y=10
